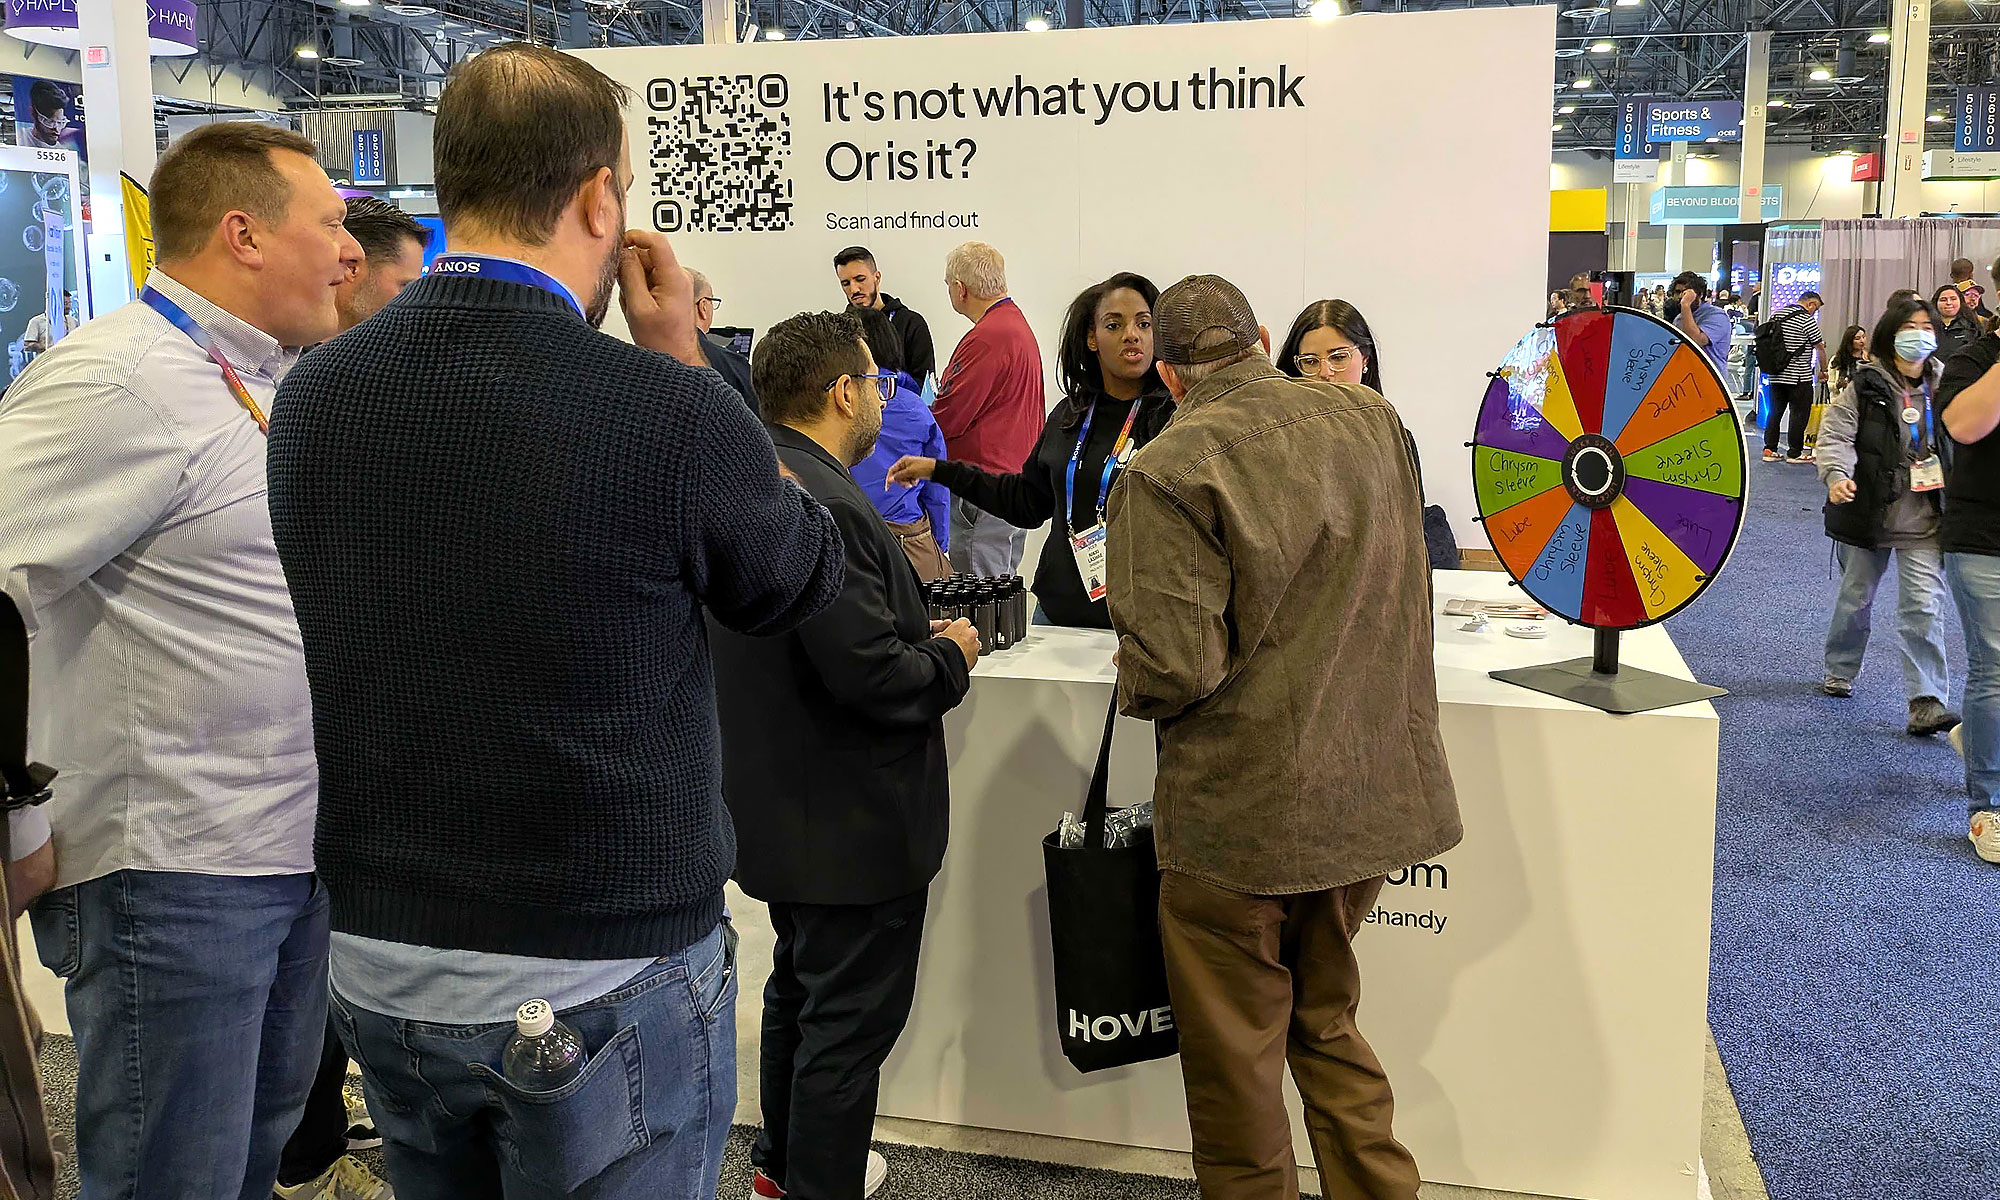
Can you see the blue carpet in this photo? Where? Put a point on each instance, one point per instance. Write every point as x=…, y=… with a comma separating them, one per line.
x=1856, y=958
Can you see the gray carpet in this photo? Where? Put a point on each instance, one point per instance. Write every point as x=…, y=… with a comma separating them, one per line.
x=914, y=1173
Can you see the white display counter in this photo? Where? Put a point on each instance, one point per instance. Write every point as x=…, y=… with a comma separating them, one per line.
x=1538, y=994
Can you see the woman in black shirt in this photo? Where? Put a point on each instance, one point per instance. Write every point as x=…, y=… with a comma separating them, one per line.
x=1957, y=325
x=1113, y=400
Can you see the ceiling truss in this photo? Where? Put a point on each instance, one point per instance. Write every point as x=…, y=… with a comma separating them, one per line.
x=1687, y=49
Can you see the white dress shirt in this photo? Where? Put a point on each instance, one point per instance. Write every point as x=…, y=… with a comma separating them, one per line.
x=168, y=682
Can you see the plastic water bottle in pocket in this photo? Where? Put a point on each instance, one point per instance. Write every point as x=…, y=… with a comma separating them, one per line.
x=544, y=1054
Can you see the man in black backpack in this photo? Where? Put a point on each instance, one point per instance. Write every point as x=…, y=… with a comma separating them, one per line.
x=1788, y=352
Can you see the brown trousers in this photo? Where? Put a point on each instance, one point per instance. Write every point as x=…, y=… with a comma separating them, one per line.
x=920, y=547
x=1258, y=981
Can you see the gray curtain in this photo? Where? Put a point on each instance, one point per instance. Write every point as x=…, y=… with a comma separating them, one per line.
x=1862, y=262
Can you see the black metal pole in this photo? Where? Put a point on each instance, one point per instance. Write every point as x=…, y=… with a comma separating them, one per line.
x=1605, y=661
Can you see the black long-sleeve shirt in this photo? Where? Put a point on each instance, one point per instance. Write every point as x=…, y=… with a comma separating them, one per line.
x=1031, y=496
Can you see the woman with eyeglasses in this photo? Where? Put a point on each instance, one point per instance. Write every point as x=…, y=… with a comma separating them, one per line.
x=1331, y=342
x=1113, y=403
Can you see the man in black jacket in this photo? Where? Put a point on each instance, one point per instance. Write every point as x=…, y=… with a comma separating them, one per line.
x=834, y=768
x=861, y=282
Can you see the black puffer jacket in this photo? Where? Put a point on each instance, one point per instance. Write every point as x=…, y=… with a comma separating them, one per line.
x=1881, y=448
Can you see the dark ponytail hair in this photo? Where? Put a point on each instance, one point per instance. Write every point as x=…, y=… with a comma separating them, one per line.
x=1337, y=315
x=885, y=342
x=1076, y=363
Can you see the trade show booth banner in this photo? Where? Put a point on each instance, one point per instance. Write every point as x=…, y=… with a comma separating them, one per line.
x=1299, y=159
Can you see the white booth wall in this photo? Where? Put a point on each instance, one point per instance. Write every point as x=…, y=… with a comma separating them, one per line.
x=1347, y=193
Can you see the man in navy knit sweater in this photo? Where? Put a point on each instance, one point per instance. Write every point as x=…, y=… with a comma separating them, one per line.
x=502, y=530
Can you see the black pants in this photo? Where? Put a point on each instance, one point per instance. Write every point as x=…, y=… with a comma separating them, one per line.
x=1797, y=397
x=838, y=998
x=321, y=1137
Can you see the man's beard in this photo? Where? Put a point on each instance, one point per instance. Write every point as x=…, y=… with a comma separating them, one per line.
x=864, y=439
x=607, y=281
x=607, y=275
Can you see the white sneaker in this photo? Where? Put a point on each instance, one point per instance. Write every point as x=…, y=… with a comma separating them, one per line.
x=1985, y=835
x=878, y=1167
x=1957, y=739
x=346, y=1179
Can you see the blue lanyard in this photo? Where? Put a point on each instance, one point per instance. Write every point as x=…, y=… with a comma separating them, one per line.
x=179, y=319
x=507, y=270
x=1917, y=430
x=1112, y=461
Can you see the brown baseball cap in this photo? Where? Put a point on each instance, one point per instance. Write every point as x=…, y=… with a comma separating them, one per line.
x=1196, y=307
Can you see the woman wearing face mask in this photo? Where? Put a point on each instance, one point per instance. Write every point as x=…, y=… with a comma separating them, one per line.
x=1330, y=341
x=1113, y=403
x=1880, y=457
x=1957, y=326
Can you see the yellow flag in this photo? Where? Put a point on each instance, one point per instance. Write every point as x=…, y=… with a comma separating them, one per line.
x=138, y=231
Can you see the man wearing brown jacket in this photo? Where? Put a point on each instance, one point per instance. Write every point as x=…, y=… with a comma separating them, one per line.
x=1272, y=602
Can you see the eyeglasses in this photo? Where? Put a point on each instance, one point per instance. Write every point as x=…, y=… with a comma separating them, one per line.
x=885, y=384
x=1309, y=363
x=713, y=302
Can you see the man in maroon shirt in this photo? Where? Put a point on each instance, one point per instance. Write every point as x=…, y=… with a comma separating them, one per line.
x=989, y=403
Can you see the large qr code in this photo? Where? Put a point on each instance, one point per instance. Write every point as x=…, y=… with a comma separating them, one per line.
x=719, y=149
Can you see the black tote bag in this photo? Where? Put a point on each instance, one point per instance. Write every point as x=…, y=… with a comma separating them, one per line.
x=1112, y=1008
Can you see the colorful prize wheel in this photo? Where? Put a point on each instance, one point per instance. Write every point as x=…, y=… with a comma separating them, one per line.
x=1609, y=469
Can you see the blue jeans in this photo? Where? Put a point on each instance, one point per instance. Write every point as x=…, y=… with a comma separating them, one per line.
x=198, y=1004
x=1975, y=585
x=647, y=1118
x=983, y=544
x=1919, y=594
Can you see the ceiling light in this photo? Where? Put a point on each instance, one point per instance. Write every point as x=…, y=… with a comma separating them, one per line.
x=1820, y=75
x=1848, y=154
x=307, y=52
x=355, y=3
x=1937, y=118
x=1602, y=47
x=338, y=61
x=1325, y=10
x=1581, y=83
x=1878, y=39
x=1567, y=109
x=774, y=35
x=410, y=10
x=1569, y=51
x=1556, y=128
x=1036, y=24
x=1586, y=14
x=1628, y=3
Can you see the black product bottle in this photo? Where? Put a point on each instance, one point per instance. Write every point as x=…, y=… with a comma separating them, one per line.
x=985, y=615
x=1003, y=627
x=1017, y=606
